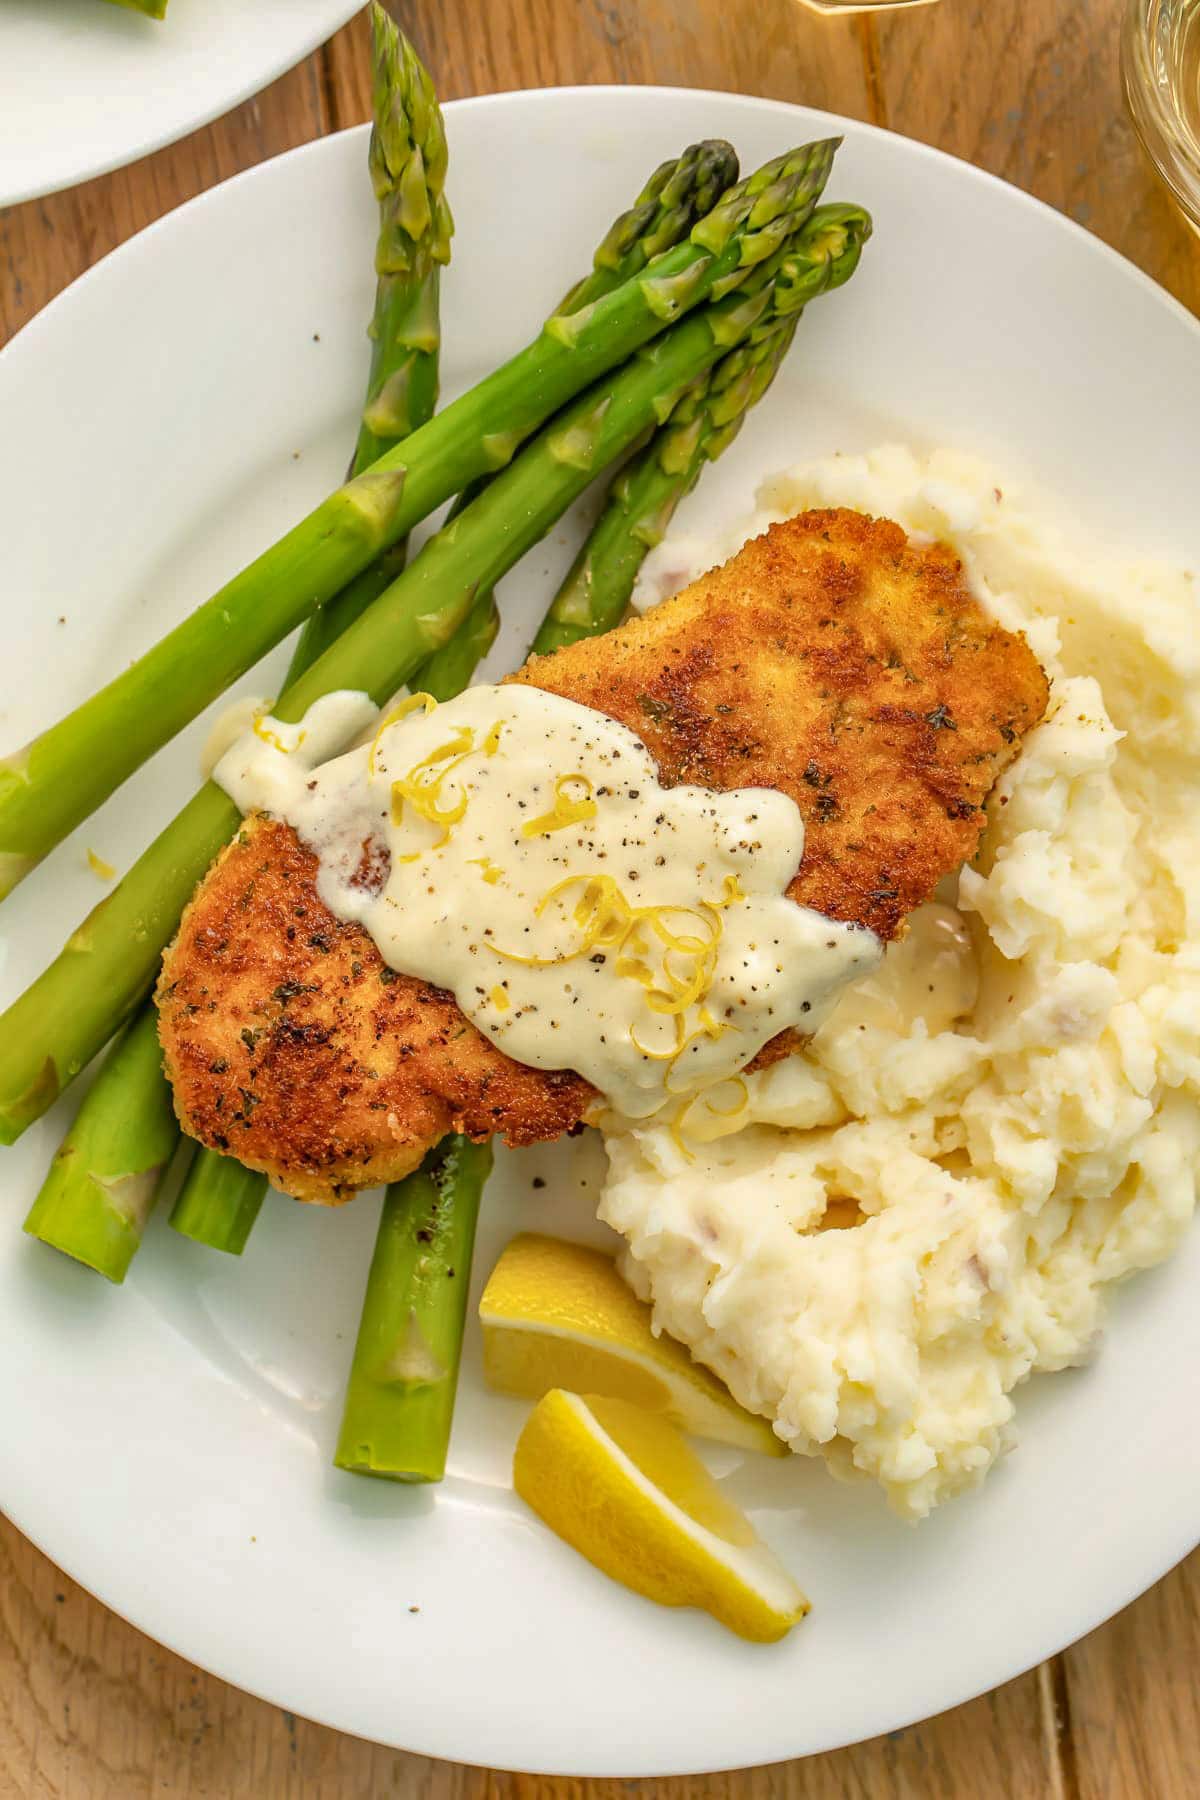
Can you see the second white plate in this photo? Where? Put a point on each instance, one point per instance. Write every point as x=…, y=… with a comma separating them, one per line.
x=86, y=87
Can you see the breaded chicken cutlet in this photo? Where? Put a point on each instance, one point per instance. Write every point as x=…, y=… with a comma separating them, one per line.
x=830, y=659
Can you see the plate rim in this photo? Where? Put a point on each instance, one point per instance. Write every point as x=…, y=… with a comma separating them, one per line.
x=504, y=101
x=506, y=97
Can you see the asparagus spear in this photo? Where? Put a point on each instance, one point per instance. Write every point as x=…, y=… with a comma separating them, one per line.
x=407, y=160
x=399, y=1402
x=219, y=1201
x=220, y=1198
x=677, y=194
x=103, y=1182
x=400, y=1396
x=642, y=500
x=449, y=670
x=412, y=1310
x=108, y=964
x=55, y=781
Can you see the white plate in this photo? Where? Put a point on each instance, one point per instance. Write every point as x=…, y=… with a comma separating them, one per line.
x=169, y=1444
x=85, y=87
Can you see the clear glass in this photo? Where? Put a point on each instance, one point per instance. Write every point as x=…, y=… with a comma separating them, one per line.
x=1160, y=66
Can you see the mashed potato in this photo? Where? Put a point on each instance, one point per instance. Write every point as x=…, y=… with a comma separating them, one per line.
x=875, y=1242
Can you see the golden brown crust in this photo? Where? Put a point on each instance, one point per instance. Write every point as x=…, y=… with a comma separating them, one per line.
x=839, y=663
x=831, y=659
x=292, y=1046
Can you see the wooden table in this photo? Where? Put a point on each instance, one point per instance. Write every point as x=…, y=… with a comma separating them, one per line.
x=90, y=1709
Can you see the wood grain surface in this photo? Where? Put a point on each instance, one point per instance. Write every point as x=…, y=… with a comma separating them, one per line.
x=90, y=1709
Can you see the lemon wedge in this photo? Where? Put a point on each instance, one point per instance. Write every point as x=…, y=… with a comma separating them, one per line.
x=558, y=1315
x=623, y=1488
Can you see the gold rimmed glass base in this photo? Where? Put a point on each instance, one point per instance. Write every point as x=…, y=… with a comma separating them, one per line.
x=1160, y=67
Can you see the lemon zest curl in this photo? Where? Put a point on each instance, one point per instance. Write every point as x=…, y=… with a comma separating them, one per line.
x=566, y=811
x=674, y=966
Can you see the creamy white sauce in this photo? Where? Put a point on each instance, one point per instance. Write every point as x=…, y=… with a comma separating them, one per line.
x=930, y=974
x=519, y=850
x=228, y=727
